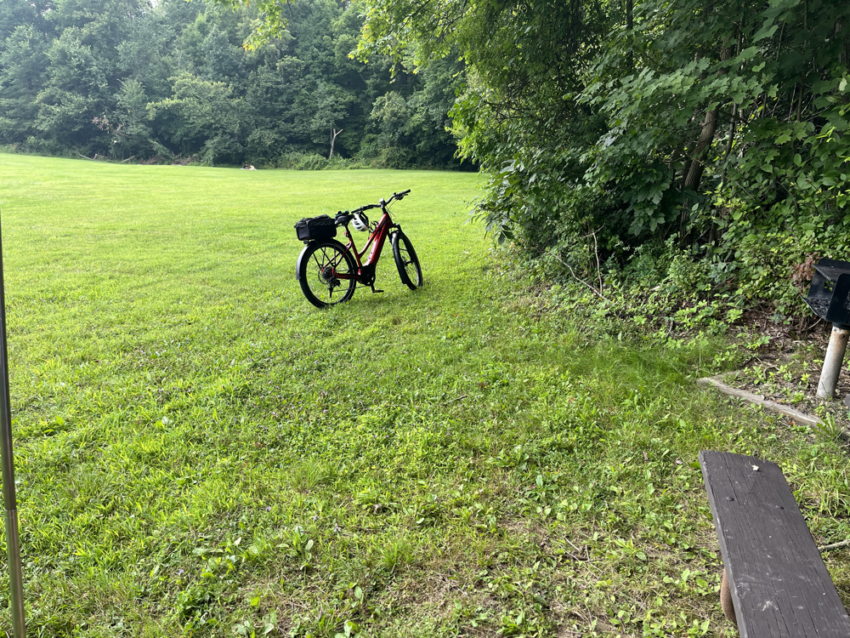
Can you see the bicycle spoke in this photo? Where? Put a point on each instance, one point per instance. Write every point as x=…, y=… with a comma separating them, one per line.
x=326, y=262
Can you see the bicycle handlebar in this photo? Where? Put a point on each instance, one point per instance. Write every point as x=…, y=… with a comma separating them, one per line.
x=345, y=217
x=383, y=204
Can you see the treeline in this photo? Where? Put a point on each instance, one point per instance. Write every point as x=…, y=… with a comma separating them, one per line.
x=693, y=155
x=171, y=80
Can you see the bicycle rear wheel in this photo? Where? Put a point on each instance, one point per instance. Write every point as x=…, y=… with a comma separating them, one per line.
x=319, y=263
x=406, y=261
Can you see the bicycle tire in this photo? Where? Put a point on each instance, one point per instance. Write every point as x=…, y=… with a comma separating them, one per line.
x=406, y=261
x=311, y=273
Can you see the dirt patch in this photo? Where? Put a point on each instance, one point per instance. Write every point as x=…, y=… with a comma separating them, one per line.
x=787, y=371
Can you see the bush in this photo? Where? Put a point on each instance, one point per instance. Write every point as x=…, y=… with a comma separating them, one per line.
x=314, y=162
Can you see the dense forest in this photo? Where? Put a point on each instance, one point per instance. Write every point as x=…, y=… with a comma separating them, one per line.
x=172, y=81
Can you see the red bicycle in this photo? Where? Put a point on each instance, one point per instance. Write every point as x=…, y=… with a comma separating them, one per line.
x=329, y=271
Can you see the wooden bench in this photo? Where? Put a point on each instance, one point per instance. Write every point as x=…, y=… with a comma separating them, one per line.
x=775, y=582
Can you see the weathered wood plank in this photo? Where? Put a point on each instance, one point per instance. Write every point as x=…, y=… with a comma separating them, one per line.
x=779, y=584
x=796, y=415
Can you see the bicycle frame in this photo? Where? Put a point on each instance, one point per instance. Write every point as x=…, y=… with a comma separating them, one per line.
x=327, y=254
x=365, y=271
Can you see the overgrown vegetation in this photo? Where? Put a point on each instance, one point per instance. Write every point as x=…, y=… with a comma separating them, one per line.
x=171, y=81
x=640, y=141
x=202, y=453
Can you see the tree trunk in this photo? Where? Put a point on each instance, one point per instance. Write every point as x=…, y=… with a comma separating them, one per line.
x=709, y=126
x=334, y=133
x=630, y=27
x=695, y=170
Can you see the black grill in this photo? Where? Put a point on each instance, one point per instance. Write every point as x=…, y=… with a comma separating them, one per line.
x=829, y=295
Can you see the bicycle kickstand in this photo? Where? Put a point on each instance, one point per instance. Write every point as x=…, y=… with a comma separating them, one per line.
x=372, y=286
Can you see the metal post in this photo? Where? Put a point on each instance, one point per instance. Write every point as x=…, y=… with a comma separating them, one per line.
x=832, y=362
x=13, y=544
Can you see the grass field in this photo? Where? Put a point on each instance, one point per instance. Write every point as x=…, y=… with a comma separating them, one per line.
x=201, y=452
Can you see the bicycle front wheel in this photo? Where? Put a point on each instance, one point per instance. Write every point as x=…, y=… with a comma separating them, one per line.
x=406, y=261
x=317, y=269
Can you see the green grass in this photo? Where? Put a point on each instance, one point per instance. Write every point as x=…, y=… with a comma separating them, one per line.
x=200, y=452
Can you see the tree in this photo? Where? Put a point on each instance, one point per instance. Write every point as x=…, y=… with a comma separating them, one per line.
x=331, y=108
x=223, y=62
x=22, y=64
x=133, y=132
x=15, y=13
x=201, y=117
x=75, y=91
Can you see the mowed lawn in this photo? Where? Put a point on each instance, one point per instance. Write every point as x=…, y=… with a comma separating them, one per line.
x=201, y=452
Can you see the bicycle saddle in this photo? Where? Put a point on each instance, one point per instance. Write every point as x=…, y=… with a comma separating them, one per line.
x=342, y=218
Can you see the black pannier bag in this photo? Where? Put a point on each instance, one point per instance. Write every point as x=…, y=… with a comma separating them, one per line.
x=313, y=228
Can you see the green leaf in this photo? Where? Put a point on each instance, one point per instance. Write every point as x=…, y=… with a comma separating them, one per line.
x=767, y=31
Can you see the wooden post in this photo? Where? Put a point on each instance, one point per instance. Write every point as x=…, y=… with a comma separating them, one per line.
x=832, y=362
